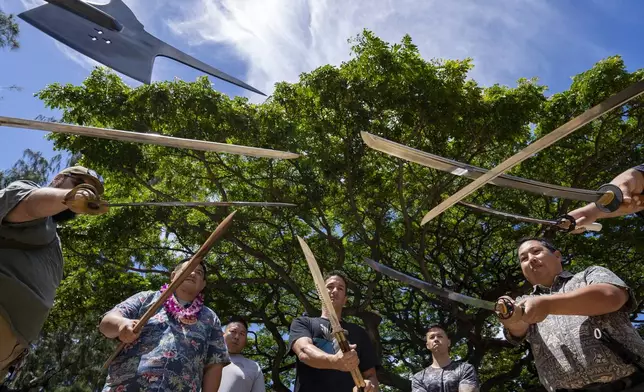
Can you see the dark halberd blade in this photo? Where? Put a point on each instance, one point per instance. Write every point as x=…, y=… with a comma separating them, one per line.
x=112, y=35
x=419, y=284
x=89, y=12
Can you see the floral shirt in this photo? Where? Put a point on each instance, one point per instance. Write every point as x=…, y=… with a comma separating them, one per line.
x=566, y=353
x=169, y=355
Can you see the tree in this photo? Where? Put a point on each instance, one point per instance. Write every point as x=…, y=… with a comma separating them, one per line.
x=351, y=202
x=9, y=31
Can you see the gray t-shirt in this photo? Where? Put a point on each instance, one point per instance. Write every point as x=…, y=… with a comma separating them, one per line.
x=445, y=379
x=31, y=265
x=242, y=375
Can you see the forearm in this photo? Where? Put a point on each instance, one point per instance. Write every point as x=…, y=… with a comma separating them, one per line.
x=40, y=203
x=638, y=178
x=316, y=358
x=372, y=377
x=631, y=179
x=212, y=378
x=110, y=324
x=593, y=300
x=518, y=329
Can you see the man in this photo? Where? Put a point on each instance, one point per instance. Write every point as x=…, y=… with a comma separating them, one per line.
x=31, y=259
x=320, y=364
x=181, y=348
x=241, y=374
x=567, y=318
x=631, y=182
x=444, y=375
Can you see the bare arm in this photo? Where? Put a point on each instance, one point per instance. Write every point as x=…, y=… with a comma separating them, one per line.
x=313, y=356
x=111, y=323
x=518, y=329
x=467, y=388
x=40, y=203
x=212, y=378
x=631, y=183
x=370, y=376
x=114, y=325
x=592, y=300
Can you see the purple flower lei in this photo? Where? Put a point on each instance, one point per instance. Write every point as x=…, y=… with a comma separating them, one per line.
x=185, y=315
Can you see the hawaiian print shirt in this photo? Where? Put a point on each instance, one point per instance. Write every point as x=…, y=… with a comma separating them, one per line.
x=169, y=355
x=565, y=350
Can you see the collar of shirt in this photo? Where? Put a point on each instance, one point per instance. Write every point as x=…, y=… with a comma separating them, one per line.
x=559, y=280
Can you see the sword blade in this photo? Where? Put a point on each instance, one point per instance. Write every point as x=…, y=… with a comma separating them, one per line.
x=202, y=204
x=562, y=224
x=419, y=284
x=473, y=172
x=522, y=218
x=145, y=138
x=320, y=287
x=586, y=117
x=336, y=327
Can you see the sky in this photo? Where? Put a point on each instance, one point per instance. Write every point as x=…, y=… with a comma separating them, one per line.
x=266, y=41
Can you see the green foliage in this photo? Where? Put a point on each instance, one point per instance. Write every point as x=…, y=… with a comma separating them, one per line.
x=352, y=202
x=32, y=166
x=9, y=31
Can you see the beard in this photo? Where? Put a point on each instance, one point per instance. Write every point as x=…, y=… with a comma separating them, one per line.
x=64, y=216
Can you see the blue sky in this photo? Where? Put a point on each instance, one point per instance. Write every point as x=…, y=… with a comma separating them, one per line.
x=266, y=41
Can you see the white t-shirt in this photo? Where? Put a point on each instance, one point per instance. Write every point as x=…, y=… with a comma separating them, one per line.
x=242, y=375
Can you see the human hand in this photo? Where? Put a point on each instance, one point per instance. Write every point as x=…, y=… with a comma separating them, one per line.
x=535, y=309
x=504, y=305
x=84, y=199
x=126, y=331
x=346, y=361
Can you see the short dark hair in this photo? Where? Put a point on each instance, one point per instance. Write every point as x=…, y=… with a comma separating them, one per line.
x=544, y=241
x=437, y=326
x=238, y=319
x=339, y=274
x=201, y=263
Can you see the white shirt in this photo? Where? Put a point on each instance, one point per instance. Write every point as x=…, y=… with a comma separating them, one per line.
x=242, y=375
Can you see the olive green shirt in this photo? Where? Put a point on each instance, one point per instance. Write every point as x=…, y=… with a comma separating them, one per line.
x=31, y=265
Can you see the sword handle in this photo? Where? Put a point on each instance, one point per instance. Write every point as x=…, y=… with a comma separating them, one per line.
x=506, y=309
x=611, y=199
x=355, y=373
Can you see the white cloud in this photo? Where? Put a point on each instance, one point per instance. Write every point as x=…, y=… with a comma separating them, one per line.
x=279, y=39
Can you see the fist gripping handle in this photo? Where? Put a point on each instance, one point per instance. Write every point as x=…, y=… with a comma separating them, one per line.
x=89, y=203
x=507, y=309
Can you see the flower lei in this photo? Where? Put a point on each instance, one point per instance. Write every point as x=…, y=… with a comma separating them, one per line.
x=185, y=315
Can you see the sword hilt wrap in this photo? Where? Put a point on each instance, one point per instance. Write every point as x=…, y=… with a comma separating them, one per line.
x=355, y=373
x=506, y=309
x=612, y=198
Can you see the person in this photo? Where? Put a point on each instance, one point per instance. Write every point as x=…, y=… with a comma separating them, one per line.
x=577, y=324
x=631, y=183
x=32, y=260
x=444, y=375
x=181, y=348
x=320, y=364
x=241, y=374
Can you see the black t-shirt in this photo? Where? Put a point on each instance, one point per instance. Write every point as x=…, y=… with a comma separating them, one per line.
x=319, y=330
